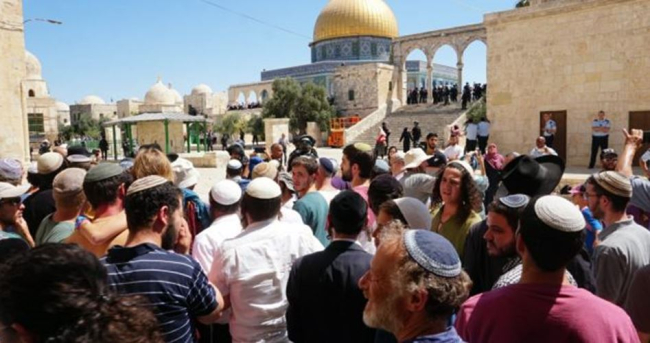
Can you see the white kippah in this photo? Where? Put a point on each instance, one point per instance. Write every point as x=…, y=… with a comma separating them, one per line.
x=226, y=192
x=559, y=213
x=263, y=188
x=145, y=183
x=234, y=164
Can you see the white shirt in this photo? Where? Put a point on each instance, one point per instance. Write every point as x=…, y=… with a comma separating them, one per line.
x=290, y=216
x=210, y=239
x=253, y=271
x=537, y=152
x=471, y=131
x=329, y=195
x=483, y=128
x=454, y=152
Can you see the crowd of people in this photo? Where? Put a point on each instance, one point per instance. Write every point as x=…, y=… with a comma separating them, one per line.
x=243, y=106
x=431, y=244
x=445, y=94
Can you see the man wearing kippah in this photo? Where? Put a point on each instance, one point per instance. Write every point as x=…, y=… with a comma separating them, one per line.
x=325, y=302
x=326, y=170
x=252, y=269
x=154, y=261
x=543, y=306
x=414, y=286
x=624, y=245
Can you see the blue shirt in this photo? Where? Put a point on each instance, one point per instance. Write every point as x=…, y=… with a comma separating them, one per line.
x=593, y=226
x=448, y=336
x=550, y=125
x=601, y=123
x=175, y=285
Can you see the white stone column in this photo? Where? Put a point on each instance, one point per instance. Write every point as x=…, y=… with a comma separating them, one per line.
x=459, y=66
x=429, y=83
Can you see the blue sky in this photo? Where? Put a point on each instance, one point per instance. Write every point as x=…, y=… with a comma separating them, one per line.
x=117, y=48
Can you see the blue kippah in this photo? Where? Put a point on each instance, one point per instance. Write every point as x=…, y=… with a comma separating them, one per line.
x=432, y=252
x=326, y=163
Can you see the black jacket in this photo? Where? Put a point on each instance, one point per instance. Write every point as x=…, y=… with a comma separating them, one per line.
x=325, y=302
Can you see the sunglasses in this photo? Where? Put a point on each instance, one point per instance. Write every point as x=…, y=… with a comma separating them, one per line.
x=12, y=201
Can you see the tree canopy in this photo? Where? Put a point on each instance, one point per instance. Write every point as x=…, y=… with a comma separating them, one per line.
x=300, y=103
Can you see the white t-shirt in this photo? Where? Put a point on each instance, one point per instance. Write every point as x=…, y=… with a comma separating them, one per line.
x=483, y=129
x=537, y=152
x=289, y=215
x=253, y=269
x=329, y=195
x=471, y=131
x=454, y=152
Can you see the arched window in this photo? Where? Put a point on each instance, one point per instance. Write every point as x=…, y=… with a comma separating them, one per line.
x=31, y=93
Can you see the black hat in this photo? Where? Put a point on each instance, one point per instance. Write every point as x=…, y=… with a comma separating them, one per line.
x=437, y=160
x=608, y=153
x=305, y=139
x=78, y=150
x=532, y=176
x=236, y=148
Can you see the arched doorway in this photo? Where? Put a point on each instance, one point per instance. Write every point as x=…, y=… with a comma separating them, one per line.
x=416, y=77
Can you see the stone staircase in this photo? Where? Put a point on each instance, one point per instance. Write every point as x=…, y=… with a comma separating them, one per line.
x=432, y=118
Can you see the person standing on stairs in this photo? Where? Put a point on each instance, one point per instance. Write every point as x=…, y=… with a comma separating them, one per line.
x=406, y=139
x=416, y=133
x=384, y=127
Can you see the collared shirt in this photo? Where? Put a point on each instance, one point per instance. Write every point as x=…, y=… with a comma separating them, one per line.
x=471, y=131
x=601, y=123
x=289, y=215
x=448, y=336
x=483, y=129
x=549, y=127
x=624, y=249
x=211, y=239
x=175, y=285
x=253, y=270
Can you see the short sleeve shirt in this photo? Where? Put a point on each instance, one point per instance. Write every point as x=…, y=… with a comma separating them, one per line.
x=601, y=123
x=174, y=284
x=483, y=129
x=53, y=232
x=550, y=125
x=471, y=131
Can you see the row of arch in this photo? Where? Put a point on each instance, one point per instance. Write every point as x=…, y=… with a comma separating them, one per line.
x=251, y=96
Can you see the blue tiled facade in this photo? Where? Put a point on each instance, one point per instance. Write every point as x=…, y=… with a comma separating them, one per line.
x=352, y=49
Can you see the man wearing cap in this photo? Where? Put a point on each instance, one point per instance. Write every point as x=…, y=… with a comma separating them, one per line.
x=356, y=166
x=253, y=268
x=311, y=204
x=325, y=302
x=70, y=200
x=196, y=212
x=105, y=188
x=624, y=245
x=608, y=159
x=41, y=203
x=11, y=171
x=417, y=184
x=326, y=170
x=270, y=170
x=414, y=286
x=594, y=226
x=234, y=172
x=543, y=306
x=173, y=282
x=79, y=161
x=12, y=224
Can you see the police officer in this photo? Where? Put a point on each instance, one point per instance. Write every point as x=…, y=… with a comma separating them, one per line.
x=304, y=147
x=550, y=127
x=599, y=136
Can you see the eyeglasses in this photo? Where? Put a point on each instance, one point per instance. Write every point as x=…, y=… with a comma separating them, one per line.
x=11, y=201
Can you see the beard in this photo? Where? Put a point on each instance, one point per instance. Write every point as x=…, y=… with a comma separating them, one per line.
x=169, y=237
x=346, y=175
x=597, y=212
x=384, y=315
x=506, y=251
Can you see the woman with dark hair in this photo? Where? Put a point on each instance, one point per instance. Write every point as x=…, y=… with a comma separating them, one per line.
x=458, y=198
x=59, y=293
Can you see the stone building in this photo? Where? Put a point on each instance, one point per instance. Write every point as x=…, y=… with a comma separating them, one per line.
x=128, y=107
x=63, y=113
x=93, y=107
x=42, y=111
x=352, y=46
x=203, y=101
x=584, y=56
x=161, y=99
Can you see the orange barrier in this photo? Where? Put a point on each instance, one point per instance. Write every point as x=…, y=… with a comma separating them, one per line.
x=336, y=138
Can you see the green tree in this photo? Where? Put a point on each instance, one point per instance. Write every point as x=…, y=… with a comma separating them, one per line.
x=87, y=126
x=232, y=123
x=522, y=3
x=255, y=126
x=301, y=104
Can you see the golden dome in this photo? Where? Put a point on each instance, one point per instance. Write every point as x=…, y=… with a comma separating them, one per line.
x=349, y=18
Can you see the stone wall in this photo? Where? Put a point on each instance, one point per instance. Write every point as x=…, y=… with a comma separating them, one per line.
x=370, y=84
x=96, y=111
x=574, y=55
x=154, y=132
x=13, y=131
x=274, y=128
x=47, y=107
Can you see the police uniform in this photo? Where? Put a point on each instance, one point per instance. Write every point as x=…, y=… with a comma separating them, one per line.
x=549, y=135
x=598, y=139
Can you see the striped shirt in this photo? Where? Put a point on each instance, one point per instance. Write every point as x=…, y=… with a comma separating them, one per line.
x=175, y=285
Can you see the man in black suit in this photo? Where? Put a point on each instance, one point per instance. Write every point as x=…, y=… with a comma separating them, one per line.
x=325, y=302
